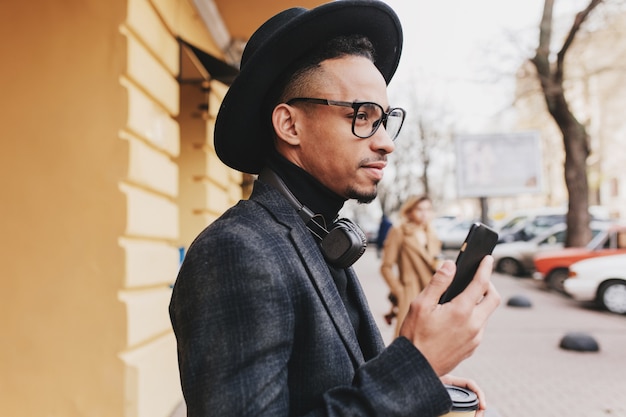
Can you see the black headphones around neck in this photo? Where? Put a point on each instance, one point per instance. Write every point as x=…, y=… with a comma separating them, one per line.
x=342, y=245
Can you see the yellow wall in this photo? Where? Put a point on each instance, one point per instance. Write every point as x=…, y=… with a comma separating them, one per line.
x=92, y=173
x=62, y=212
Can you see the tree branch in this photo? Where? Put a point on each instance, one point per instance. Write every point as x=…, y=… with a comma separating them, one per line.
x=578, y=21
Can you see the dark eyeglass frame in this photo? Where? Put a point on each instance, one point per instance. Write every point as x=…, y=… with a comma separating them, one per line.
x=356, y=105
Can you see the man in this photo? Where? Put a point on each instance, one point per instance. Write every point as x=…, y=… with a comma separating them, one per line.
x=269, y=316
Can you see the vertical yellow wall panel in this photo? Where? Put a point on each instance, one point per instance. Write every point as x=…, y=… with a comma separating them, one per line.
x=192, y=162
x=147, y=313
x=150, y=215
x=196, y=223
x=150, y=168
x=144, y=21
x=150, y=121
x=235, y=192
x=151, y=188
x=183, y=20
x=149, y=263
x=196, y=160
x=151, y=75
x=218, y=91
x=220, y=173
x=153, y=390
x=216, y=199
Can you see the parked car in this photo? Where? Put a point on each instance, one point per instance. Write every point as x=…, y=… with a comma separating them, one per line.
x=443, y=223
x=525, y=225
x=601, y=280
x=552, y=267
x=454, y=236
x=516, y=258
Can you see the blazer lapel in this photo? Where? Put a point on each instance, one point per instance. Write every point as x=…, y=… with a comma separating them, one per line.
x=371, y=341
x=327, y=291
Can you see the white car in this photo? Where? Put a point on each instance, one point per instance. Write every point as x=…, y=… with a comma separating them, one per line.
x=601, y=280
x=516, y=258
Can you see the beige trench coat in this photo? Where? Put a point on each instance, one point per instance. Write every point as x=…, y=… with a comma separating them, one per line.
x=407, y=266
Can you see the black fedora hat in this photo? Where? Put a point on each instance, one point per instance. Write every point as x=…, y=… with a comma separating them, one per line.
x=242, y=139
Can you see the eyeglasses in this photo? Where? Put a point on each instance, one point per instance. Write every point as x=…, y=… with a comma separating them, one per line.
x=367, y=117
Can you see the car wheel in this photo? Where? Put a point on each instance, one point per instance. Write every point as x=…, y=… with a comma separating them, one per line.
x=556, y=279
x=510, y=266
x=613, y=296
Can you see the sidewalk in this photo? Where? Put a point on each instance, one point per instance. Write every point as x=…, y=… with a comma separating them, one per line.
x=519, y=364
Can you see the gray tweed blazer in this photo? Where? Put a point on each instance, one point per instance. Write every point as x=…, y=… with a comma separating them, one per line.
x=262, y=331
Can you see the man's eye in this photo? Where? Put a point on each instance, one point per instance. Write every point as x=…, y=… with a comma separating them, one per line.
x=361, y=116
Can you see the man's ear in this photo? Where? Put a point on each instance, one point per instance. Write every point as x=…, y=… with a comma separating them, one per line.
x=284, y=119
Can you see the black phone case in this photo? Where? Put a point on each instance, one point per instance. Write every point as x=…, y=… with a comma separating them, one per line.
x=479, y=243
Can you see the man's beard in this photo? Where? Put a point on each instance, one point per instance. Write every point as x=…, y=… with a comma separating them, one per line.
x=362, y=198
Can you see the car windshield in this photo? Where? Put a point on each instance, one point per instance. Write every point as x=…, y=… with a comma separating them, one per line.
x=557, y=237
x=511, y=224
x=543, y=222
x=607, y=240
x=560, y=236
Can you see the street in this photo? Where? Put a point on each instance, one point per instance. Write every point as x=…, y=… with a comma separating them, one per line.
x=520, y=365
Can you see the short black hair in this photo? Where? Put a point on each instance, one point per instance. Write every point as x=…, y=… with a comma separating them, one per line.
x=353, y=45
x=296, y=74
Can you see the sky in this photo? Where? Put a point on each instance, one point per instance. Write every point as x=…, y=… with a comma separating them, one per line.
x=460, y=56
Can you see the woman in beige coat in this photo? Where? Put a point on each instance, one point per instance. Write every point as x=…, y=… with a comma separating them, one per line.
x=411, y=254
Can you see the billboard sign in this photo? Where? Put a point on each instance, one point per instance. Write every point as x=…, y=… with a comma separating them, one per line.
x=498, y=164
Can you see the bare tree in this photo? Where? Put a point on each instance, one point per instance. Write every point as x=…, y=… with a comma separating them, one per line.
x=575, y=137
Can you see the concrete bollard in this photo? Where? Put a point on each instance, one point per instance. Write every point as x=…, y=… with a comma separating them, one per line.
x=519, y=301
x=580, y=342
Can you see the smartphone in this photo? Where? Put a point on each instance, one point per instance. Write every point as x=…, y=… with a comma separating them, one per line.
x=479, y=243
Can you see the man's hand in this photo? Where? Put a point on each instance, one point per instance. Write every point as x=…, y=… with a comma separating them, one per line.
x=446, y=334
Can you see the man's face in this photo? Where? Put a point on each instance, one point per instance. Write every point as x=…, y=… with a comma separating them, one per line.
x=325, y=145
